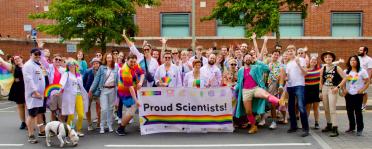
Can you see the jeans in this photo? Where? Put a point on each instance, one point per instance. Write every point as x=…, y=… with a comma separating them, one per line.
x=120, y=109
x=107, y=99
x=293, y=92
x=354, y=111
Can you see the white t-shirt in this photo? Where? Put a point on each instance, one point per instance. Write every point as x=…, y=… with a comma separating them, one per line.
x=365, y=62
x=213, y=73
x=294, y=73
x=355, y=81
x=110, y=78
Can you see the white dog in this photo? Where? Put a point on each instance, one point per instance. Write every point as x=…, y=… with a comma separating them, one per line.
x=62, y=131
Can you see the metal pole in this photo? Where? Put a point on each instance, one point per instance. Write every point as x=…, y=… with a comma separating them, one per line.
x=193, y=26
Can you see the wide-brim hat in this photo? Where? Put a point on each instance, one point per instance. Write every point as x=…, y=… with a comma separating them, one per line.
x=328, y=53
x=95, y=60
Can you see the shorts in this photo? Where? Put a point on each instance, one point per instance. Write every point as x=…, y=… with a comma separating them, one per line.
x=55, y=103
x=128, y=102
x=248, y=94
x=35, y=111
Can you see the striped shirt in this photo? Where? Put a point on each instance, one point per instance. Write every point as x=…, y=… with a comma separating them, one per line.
x=313, y=77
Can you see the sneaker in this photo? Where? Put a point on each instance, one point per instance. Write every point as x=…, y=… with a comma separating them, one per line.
x=316, y=126
x=291, y=130
x=262, y=122
x=364, y=107
x=131, y=121
x=32, y=139
x=41, y=135
x=80, y=134
x=23, y=126
x=90, y=128
x=350, y=131
x=110, y=129
x=273, y=125
x=102, y=130
x=119, y=121
x=95, y=120
x=121, y=131
x=305, y=134
x=359, y=133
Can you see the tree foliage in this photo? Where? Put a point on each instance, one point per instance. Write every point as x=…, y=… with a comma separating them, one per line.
x=95, y=21
x=259, y=16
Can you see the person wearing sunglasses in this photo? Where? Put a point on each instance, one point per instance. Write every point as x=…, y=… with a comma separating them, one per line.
x=99, y=55
x=34, y=88
x=168, y=74
x=54, y=75
x=148, y=64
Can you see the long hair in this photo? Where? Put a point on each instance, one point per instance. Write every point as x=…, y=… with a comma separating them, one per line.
x=349, y=66
x=81, y=53
x=104, y=60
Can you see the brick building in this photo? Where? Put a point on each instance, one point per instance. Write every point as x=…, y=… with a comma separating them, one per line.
x=337, y=25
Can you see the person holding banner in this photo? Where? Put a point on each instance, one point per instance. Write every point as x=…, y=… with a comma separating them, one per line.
x=251, y=85
x=194, y=77
x=131, y=77
x=168, y=74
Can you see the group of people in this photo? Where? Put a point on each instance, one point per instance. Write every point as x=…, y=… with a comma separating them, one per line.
x=284, y=84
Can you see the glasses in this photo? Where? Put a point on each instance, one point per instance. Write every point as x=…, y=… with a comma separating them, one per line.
x=58, y=59
x=98, y=55
x=167, y=57
x=146, y=49
x=174, y=53
x=301, y=53
x=233, y=64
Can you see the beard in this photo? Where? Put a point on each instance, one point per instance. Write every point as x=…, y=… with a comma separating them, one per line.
x=361, y=54
x=211, y=62
x=248, y=62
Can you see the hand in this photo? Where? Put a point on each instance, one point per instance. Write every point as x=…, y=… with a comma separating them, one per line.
x=37, y=95
x=163, y=40
x=90, y=94
x=138, y=103
x=139, y=85
x=253, y=36
x=144, y=43
x=361, y=92
x=266, y=39
x=334, y=90
x=320, y=95
x=305, y=48
x=298, y=60
x=40, y=44
x=124, y=31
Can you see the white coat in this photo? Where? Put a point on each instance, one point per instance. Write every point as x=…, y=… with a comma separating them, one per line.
x=213, y=73
x=189, y=80
x=70, y=85
x=173, y=73
x=34, y=81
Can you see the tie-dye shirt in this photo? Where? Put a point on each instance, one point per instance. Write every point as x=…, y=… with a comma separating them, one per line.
x=128, y=77
x=355, y=81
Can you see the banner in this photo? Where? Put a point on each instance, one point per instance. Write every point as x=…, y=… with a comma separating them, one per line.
x=188, y=110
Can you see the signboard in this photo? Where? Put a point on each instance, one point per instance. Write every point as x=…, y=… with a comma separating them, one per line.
x=71, y=48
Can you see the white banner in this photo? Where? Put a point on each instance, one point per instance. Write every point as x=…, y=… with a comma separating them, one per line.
x=186, y=110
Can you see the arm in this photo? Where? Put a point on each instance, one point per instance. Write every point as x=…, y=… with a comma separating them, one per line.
x=27, y=77
x=343, y=76
x=63, y=80
x=5, y=64
x=132, y=47
x=302, y=66
x=179, y=81
x=321, y=80
x=263, y=50
x=163, y=48
x=255, y=44
x=157, y=76
x=96, y=80
x=133, y=94
x=366, y=85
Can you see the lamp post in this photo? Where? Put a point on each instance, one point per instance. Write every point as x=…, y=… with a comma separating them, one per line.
x=193, y=25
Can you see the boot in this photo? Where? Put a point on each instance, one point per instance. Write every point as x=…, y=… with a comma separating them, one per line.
x=334, y=132
x=328, y=128
x=253, y=129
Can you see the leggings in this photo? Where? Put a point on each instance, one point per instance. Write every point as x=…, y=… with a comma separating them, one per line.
x=79, y=109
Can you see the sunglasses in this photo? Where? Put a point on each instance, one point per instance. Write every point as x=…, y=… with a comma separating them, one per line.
x=301, y=53
x=174, y=53
x=146, y=49
x=58, y=59
x=167, y=57
x=37, y=53
x=233, y=64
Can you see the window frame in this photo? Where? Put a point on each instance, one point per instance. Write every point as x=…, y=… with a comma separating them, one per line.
x=347, y=12
x=302, y=22
x=172, y=13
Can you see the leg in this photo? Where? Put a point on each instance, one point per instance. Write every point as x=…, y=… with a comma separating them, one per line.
x=261, y=93
x=326, y=91
x=332, y=101
x=291, y=108
x=120, y=109
x=89, y=114
x=60, y=138
x=21, y=112
x=300, y=91
x=98, y=111
x=358, y=112
x=308, y=107
x=47, y=136
x=103, y=104
x=110, y=102
x=70, y=118
x=316, y=111
x=79, y=108
x=350, y=112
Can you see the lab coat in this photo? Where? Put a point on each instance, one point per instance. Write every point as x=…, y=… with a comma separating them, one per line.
x=34, y=81
x=69, y=84
x=213, y=73
x=173, y=73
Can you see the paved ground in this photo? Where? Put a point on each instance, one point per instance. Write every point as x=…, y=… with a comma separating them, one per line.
x=12, y=137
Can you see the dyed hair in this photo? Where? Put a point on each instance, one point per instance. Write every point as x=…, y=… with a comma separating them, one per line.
x=70, y=62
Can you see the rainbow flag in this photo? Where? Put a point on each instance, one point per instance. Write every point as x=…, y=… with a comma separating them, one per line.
x=353, y=79
x=50, y=88
x=151, y=93
x=166, y=80
x=6, y=79
x=196, y=83
x=188, y=119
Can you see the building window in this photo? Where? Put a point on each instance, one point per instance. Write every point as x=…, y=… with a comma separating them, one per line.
x=224, y=30
x=346, y=24
x=291, y=24
x=175, y=25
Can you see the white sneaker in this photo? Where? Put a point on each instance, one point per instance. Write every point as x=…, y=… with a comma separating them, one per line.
x=110, y=129
x=273, y=125
x=119, y=121
x=102, y=130
x=262, y=122
x=95, y=120
x=90, y=128
x=131, y=121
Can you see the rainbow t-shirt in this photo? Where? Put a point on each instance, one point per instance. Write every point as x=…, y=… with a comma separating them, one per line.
x=128, y=77
x=312, y=77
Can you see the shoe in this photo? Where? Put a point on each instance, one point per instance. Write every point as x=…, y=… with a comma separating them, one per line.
x=334, y=132
x=328, y=128
x=32, y=139
x=121, y=131
x=95, y=120
x=23, y=126
x=350, y=131
x=273, y=125
x=262, y=122
x=359, y=133
x=110, y=129
x=80, y=134
x=253, y=129
x=305, y=134
x=316, y=126
x=90, y=128
x=291, y=130
x=364, y=107
x=102, y=130
x=41, y=135
x=131, y=121
x=119, y=121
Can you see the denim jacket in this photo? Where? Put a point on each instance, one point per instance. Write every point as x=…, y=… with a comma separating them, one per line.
x=99, y=80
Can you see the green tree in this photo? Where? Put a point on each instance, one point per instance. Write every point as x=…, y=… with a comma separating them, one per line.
x=259, y=16
x=95, y=21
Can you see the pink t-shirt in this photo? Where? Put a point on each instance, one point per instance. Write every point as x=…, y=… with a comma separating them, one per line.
x=249, y=83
